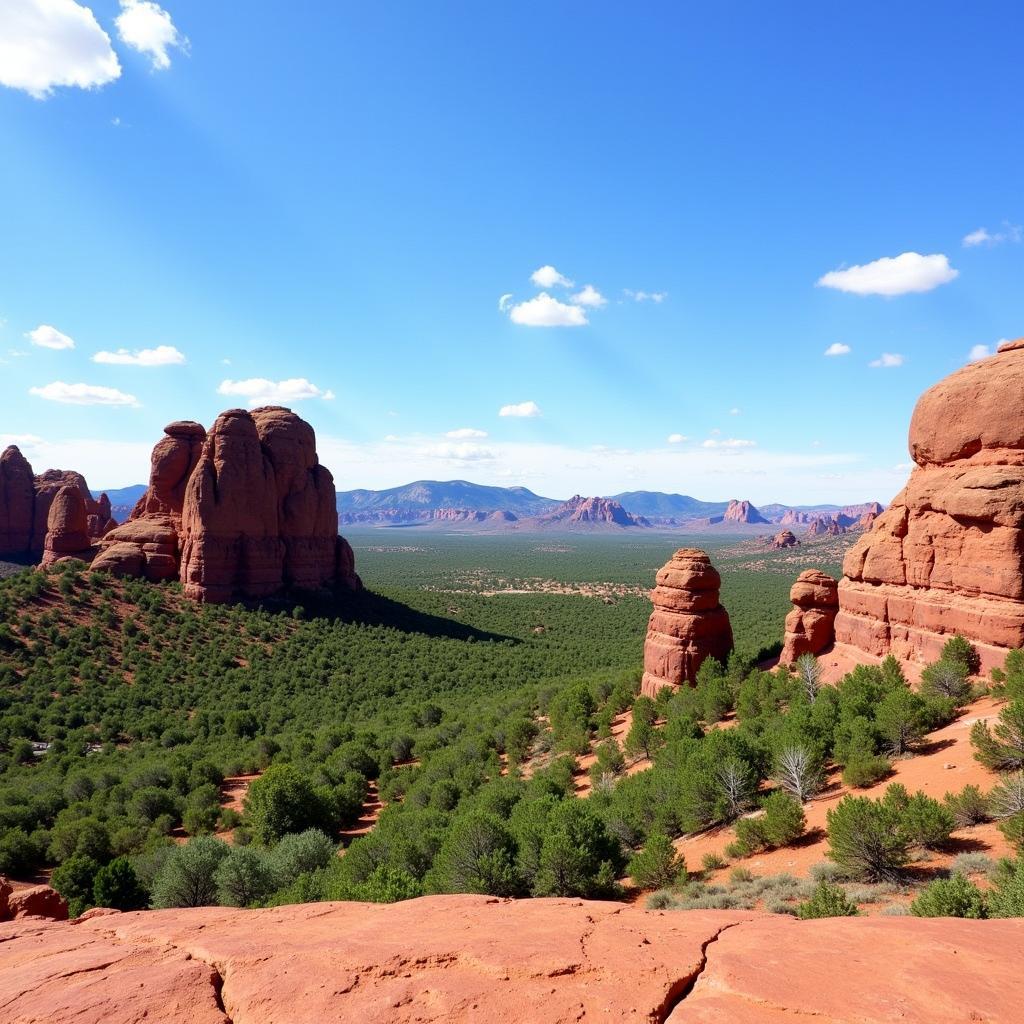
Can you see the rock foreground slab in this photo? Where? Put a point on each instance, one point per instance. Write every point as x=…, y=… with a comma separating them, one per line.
x=475, y=958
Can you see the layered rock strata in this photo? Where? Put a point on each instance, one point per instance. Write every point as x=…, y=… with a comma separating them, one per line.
x=810, y=626
x=688, y=623
x=947, y=556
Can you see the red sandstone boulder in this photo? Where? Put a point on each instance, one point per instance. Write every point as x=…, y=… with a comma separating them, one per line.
x=17, y=503
x=783, y=540
x=174, y=458
x=5, y=894
x=146, y=547
x=947, y=556
x=810, y=625
x=67, y=527
x=688, y=623
x=37, y=901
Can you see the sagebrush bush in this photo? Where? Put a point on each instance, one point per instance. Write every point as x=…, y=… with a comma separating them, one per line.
x=827, y=901
x=950, y=897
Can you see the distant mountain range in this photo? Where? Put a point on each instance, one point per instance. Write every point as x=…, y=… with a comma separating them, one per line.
x=461, y=504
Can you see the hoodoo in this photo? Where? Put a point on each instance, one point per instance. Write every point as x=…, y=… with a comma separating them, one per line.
x=810, y=625
x=947, y=556
x=688, y=623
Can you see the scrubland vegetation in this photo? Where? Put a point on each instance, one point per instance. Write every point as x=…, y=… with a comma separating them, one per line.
x=467, y=713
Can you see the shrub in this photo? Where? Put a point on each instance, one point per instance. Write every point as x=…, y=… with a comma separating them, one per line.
x=283, y=800
x=1006, y=897
x=971, y=864
x=968, y=807
x=865, y=838
x=299, y=853
x=577, y=857
x=960, y=650
x=186, y=878
x=658, y=865
x=808, y=672
x=926, y=822
x=1007, y=798
x=117, y=885
x=74, y=881
x=478, y=855
x=865, y=770
x=827, y=901
x=712, y=862
x=1013, y=829
x=1002, y=747
x=950, y=897
x=901, y=719
x=947, y=679
x=660, y=900
x=783, y=821
x=798, y=770
x=244, y=877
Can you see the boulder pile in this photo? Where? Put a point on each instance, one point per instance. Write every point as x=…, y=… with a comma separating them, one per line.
x=947, y=556
x=688, y=623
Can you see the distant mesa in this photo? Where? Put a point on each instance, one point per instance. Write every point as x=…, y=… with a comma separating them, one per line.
x=26, y=500
x=742, y=512
x=810, y=625
x=825, y=526
x=598, y=512
x=688, y=624
x=784, y=539
x=946, y=556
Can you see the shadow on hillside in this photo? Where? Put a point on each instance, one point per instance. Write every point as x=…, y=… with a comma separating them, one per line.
x=370, y=609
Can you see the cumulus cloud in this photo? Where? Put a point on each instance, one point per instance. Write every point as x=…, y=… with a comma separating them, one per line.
x=589, y=296
x=465, y=433
x=458, y=452
x=260, y=391
x=548, y=277
x=505, y=301
x=735, y=411
x=837, y=348
x=892, y=275
x=46, y=44
x=82, y=394
x=46, y=336
x=521, y=410
x=162, y=355
x=978, y=352
x=729, y=442
x=146, y=27
x=545, y=311
x=642, y=296
x=676, y=438
x=982, y=236
x=887, y=360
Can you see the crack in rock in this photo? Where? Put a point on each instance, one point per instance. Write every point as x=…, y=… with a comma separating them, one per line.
x=680, y=989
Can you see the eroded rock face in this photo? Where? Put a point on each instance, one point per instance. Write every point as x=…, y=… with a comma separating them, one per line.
x=742, y=512
x=947, y=556
x=810, y=626
x=688, y=623
x=468, y=959
x=146, y=547
x=174, y=458
x=784, y=539
x=17, y=503
x=36, y=901
x=67, y=527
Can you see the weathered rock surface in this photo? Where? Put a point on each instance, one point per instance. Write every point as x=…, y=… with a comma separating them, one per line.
x=688, y=623
x=784, y=539
x=947, y=556
x=579, y=510
x=17, y=502
x=742, y=512
x=173, y=460
x=67, y=527
x=810, y=626
x=34, y=901
x=145, y=547
x=825, y=526
x=475, y=958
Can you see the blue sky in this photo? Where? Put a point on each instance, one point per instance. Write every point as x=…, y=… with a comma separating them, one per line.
x=342, y=196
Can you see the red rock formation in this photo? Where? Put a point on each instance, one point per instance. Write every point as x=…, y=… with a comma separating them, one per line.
x=589, y=512
x=866, y=521
x=36, y=901
x=17, y=503
x=810, y=625
x=145, y=547
x=468, y=959
x=785, y=539
x=174, y=458
x=67, y=527
x=688, y=623
x=825, y=526
x=948, y=555
x=742, y=512
x=793, y=517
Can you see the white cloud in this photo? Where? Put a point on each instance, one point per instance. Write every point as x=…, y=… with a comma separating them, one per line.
x=505, y=301
x=458, y=452
x=729, y=442
x=45, y=44
x=545, y=311
x=978, y=352
x=982, y=236
x=46, y=336
x=676, y=438
x=892, y=275
x=465, y=433
x=82, y=394
x=642, y=296
x=887, y=360
x=522, y=410
x=734, y=411
x=837, y=348
x=589, y=296
x=146, y=27
x=260, y=391
x=548, y=277
x=162, y=355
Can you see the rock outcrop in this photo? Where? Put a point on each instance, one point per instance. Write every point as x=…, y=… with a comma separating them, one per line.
x=467, y=959
x=173, y=461
x=33, y=901
x=947, y=556
x=784, y=539
x=810, y=626
x=825, y=526
x=581, y=511
x=688, y=623
x=17, y=503
x=67, y=527
x=742, y=512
